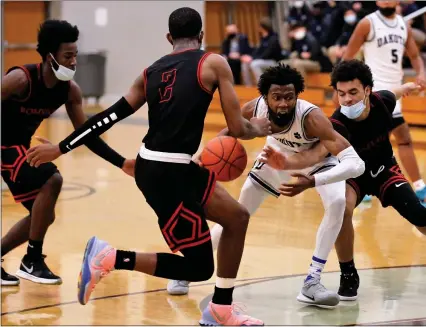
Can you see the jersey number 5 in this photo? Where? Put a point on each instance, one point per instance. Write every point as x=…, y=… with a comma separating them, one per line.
x=394, y=56
x=166, y=90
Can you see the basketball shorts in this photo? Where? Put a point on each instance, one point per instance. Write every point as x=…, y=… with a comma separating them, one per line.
x=24, y=181
x=270, y=179
x=378, y=180
x=397, y=116
x=177, y=193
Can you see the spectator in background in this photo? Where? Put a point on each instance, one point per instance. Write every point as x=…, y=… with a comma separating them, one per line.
x=267, y=54
x=336, y=51
x=234, y=48
x=299, y=13
x=305, y=50
x=417, y=24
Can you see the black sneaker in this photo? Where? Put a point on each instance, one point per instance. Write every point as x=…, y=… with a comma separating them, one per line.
x=37, y=271
x=349, y=283
x=7, y=279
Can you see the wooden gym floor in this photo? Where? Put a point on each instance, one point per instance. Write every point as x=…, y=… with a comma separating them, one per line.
x=98, y=199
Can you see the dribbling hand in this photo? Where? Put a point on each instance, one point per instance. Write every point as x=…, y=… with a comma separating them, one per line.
x=42, y=153
x=262, y=126
x=302, y=183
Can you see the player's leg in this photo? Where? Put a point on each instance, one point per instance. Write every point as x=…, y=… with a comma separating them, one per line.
x=401, y=131
x=251, y=197
x=349, y=279
x=313, y=292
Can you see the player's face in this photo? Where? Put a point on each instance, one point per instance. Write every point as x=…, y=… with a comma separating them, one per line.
x=352, y=92
x=67, y=55
x=281, y=101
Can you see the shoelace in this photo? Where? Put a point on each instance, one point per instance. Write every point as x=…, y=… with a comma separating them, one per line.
x=238, y=308
x=183, y=283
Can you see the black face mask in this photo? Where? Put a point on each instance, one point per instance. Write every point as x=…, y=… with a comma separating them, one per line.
x=387, y=12
x=231, y=36
x=280, y=120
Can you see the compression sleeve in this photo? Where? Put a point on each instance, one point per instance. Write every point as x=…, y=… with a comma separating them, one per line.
x=350, y=166
x=96, y=125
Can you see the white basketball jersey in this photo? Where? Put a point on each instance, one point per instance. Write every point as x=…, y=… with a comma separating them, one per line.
x=293, y=139
x=384, y=48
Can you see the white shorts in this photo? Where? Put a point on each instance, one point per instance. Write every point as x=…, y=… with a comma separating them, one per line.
x=270, y=179
x=397, y=113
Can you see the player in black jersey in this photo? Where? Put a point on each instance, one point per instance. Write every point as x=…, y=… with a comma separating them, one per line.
x=365, y=119
x=178, y=89
x=30, y=94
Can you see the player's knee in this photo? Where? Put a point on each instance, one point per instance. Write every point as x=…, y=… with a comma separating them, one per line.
x=338, y=204
x=415, y=214
x=204, y=271
x=52, y=219
x=55, y=182
x=242, y=218
x=347, y=215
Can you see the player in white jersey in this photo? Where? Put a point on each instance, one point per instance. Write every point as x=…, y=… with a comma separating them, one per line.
x=385, y=37
x=297, y=126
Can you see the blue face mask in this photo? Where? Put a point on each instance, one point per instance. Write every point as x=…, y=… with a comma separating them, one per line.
x=354, y=111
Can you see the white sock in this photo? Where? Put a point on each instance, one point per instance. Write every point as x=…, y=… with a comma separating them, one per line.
x=315, y=269
x=419, y=185
x=251, y=197
x=225, y=282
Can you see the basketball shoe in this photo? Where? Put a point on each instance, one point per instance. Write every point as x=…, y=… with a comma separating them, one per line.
x=349, y=283
x=36, y=270
x=7, y=279
x=178, y=287
x=227, y=315
x=314, y=293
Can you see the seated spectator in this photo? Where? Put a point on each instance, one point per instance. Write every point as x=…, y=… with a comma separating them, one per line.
x=336, y=51
x=267, y=54
x=299, y=13
x=305, y=50
x=234, y=48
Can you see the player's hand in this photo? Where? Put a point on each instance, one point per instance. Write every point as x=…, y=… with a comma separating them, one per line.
x=262, y=126
x=421, y=80
x=197, y=159
x=43, y=153
x=302, y=183
x=129, y=167
x=273, y=158
x=409, y=88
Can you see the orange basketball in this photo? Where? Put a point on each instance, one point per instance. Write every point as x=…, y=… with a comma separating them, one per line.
x=225, y=156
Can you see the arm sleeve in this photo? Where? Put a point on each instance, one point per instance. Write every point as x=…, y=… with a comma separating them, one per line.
x=96, y=126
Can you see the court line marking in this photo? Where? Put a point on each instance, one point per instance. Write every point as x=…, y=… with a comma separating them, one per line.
x=245, y=281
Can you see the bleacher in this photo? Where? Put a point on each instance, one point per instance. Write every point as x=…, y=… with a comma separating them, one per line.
x=319, y=93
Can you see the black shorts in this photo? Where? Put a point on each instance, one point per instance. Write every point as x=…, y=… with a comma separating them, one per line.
x=24, y=181
x=177, y=193
x=377, y=180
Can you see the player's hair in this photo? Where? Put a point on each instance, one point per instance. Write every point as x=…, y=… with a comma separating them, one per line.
x=52, y=33
x=185, y=22
x=350, y=70
x=280, y=75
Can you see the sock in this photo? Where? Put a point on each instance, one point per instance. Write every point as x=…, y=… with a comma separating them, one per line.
x=347, y=267
x=223, y=291
x=34, y=249
x=125, y=260
x=419, y=185
x=315, y=268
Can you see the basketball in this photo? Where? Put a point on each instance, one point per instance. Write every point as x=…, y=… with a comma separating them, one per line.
x=225, y=156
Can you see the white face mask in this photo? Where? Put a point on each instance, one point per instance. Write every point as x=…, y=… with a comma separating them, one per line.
x=350, y=19
x=298, y=4
x=354, y=111
x=300, y=34
x=63, y=73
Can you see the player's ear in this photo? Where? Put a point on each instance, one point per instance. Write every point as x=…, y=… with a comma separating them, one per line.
x=200, y=39
x=169, y=38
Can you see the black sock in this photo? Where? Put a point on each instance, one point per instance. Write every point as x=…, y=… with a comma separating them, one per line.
x=125, y=260
x=222, y=295
x=347, y=267
x=34, y=249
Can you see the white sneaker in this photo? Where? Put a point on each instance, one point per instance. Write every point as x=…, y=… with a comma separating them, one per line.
x=178, y=287
x=314, y=293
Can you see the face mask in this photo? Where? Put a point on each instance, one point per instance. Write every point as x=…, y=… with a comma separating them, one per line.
x=298, y=4
x=354, y=111
x=387, y=12
x=63, y=73
x=232, y=35
x=299, y=35
x=350, y=19
x=280, y=120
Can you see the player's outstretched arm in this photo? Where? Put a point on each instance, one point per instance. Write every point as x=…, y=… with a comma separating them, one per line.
x=406, y=89
x=350, y=166
x=358, y=37
x=238, y=126
x=74, y=108
x=93, y=127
